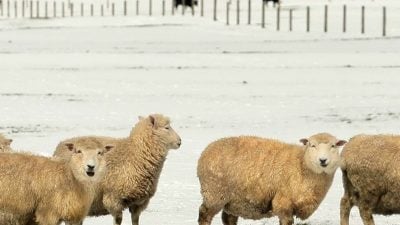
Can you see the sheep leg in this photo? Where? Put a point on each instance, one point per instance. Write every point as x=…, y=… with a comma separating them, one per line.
x=345, y=208
x=206, y=214
x=136, y=210
x=113, y=206
x=366, y=214
x=283, y=208
x=228, y=219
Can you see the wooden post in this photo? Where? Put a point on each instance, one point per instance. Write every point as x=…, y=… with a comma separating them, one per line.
x=227, y=12
x=31, y=9
x=163, y=7
x=54, y=9
x=125, y=8
x=91, y=10
x=215, y=10
x=326, y=19
x=150, y=7
x=63, y=9
x=362, y=19
x=278, y=17
x=202, y=8
x=37, y=9
x=102, y=10
x=183, y=7
x=308, y=18
x=262, y=14
x=15, y=9
x=173, y=7
x=46, y=13
x=113, y=9
x=72, y=9
x=23, y=9
x=290, y=20
x=249, y=13
x=8, y=8
x=192, y=7
x=237, y=12
x=344, y=18
x=384, y=21
x=1, y=8
x=82, y=10
x=137, y=7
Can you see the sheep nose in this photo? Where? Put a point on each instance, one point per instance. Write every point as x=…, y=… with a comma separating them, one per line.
x=179, y=142
x=323, y=161
x=90, y=167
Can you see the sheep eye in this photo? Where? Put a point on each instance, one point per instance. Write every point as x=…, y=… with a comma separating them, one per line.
x=312, y=146
x=78, y=151
x=100, y=153
x=332, y=146
x=167, y=128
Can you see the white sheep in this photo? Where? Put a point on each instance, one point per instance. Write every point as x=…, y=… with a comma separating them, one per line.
x=371, y=177
x=134, y=167
x=253, y=177
x=5, y=144
x=51, y=191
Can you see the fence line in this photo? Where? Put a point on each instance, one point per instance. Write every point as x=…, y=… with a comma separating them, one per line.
x=60, y=8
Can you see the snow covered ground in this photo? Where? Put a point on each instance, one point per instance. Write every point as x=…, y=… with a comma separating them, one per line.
x=75, y=76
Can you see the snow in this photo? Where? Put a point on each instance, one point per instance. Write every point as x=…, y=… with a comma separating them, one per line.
x=78, y=76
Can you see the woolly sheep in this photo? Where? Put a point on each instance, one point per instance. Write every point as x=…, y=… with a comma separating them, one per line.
x=371, y=177
x=254, y=178
x=49, y=190
x=134, y=167
x=5, y=144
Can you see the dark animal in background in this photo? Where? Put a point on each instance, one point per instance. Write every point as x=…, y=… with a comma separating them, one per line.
x=276, y=2
x=189, y=3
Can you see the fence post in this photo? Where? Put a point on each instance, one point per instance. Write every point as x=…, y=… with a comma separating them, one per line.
x=344, y=18
x=308, y=18
x=237, y=12
x=362, y=19
x=227, y=12
x=1, y=8
x=63, y=9
x=91, y=9
x=15, y=9
x=384, y=21
x=113, y=9
x=249, y=13
x=54, y=9
x=183, y=7
x=278, y=17
x=46, y=14
x=23, y=9
x=31, y=9
x=215, y=10
x=82, y=10
x=192, y=7
x=8, y=8
x=262, y=14
x=137, y=7
x=326, y=19
x=37, y=9
x=125, y=8
x=102, y=10
x=290, y=20
x=202, y=8
x=150, y=7
x=163, y=7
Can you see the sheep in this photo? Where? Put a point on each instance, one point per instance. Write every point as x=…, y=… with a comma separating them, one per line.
x=371, y=177
x=185, y=3
x=49, y=190
x=254, y=177
x=134, y=167
x=5, y=144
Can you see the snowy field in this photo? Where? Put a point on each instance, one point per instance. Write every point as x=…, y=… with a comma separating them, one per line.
x=77, y=76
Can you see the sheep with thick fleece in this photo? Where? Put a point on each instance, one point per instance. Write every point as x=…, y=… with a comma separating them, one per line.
x=133, y=167
x=253, y=177
x=371, y=177
x=50, y=190
x=5, y=144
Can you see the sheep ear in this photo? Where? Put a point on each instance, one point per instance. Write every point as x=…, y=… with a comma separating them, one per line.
x=341, y=142
x=304, y=141
x=70, y=146
x=152, y=120
x=9, y=141
x=140, y=118
x=108, y=148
